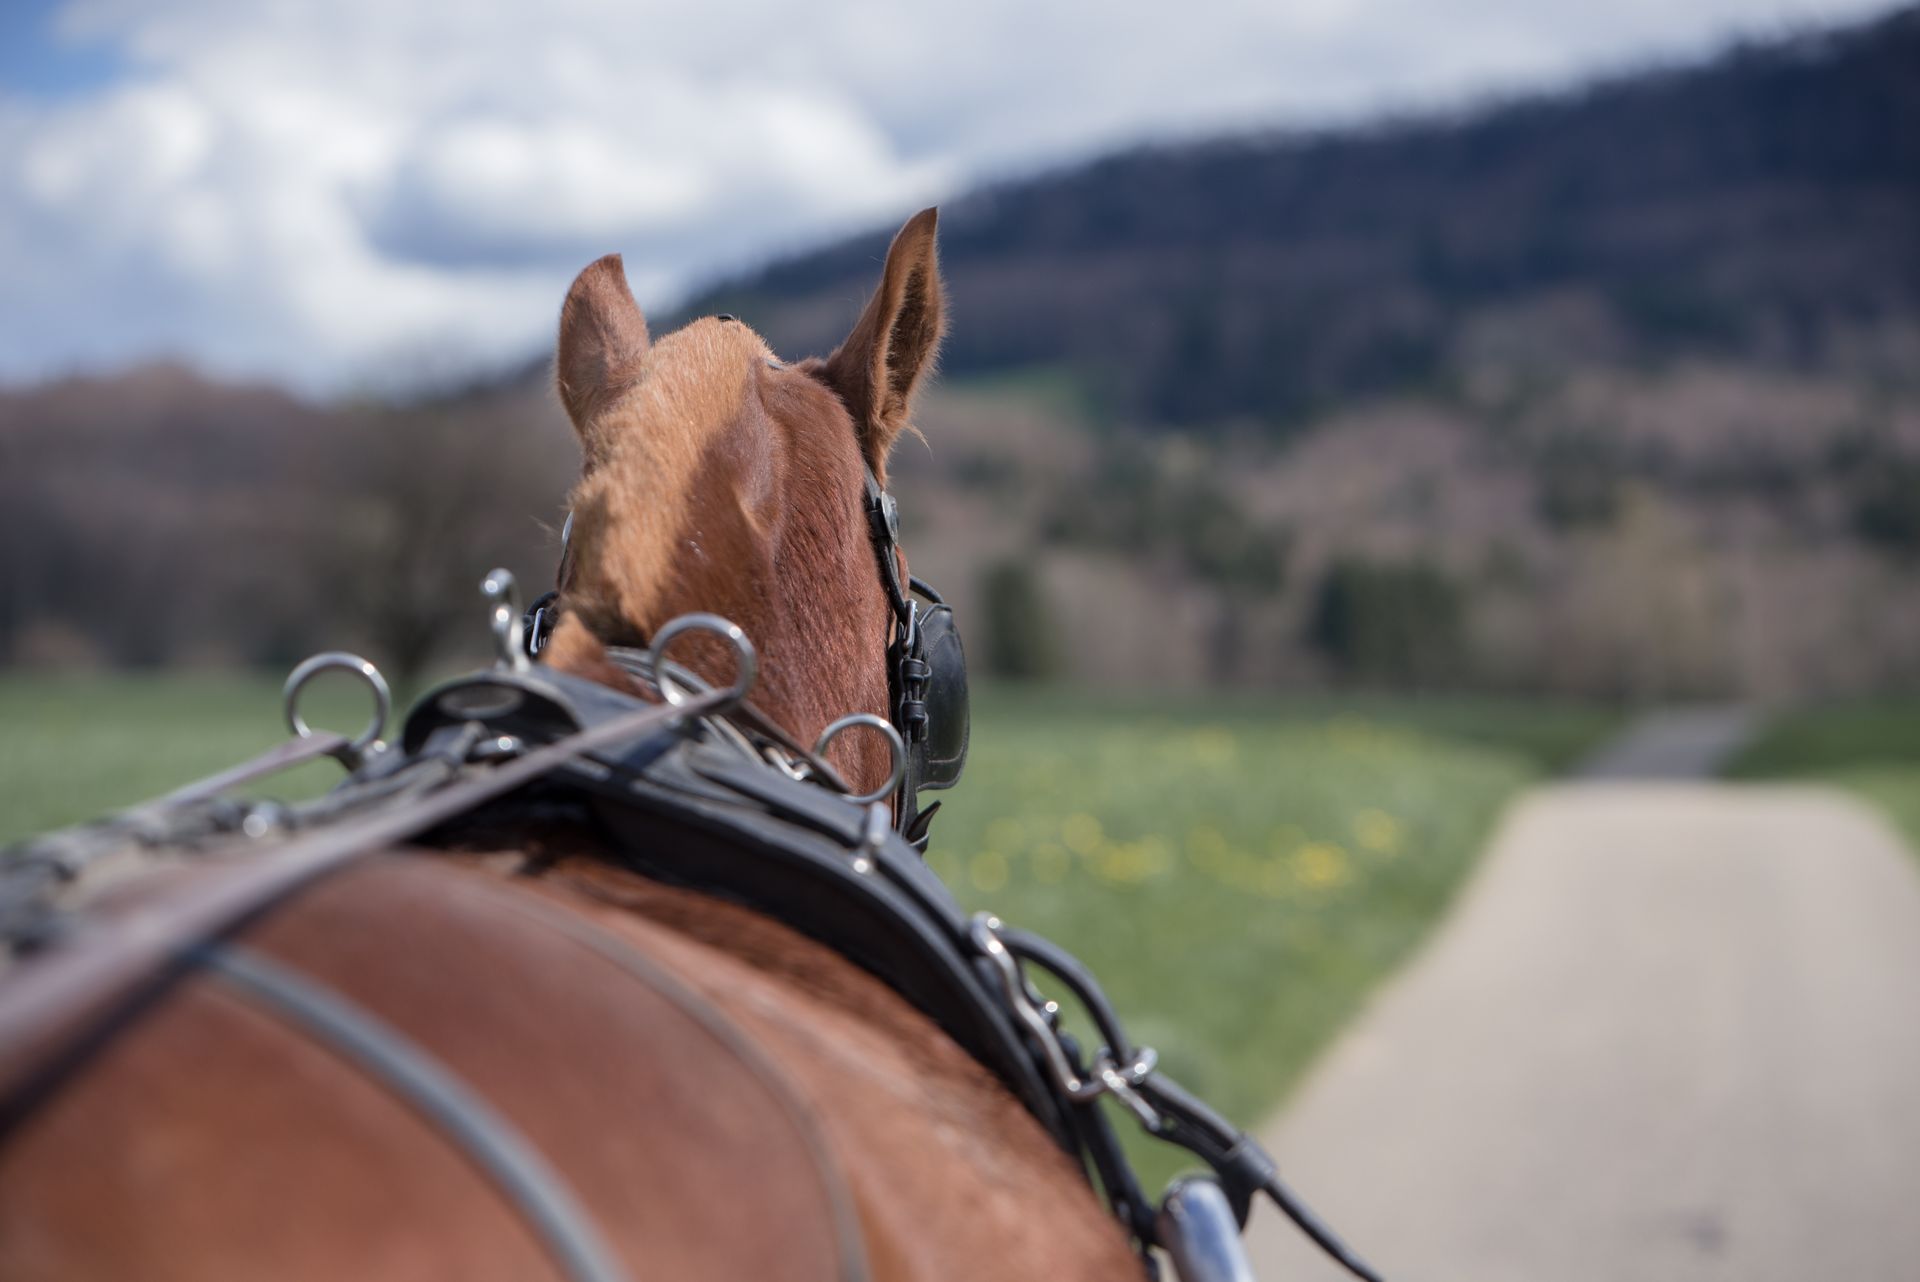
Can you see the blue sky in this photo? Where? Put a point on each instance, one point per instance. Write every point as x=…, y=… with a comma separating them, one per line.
x=35, y=60
x=336, y=193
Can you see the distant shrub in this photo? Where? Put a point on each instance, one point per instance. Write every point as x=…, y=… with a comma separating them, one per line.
x=1886, y=507
x=1133, y=506
x=1572, y=498
x=1577, y=481
x=987, y=473
x=1394, y=623
x=1666, y=314
x=1019, y=642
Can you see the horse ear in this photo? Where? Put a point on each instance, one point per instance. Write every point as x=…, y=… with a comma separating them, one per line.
x=895, y=341
x=602, y=339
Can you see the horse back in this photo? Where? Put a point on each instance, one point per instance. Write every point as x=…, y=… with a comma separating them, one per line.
x=185, y=1122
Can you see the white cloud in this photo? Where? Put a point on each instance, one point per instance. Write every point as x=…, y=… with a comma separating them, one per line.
x=320, y=190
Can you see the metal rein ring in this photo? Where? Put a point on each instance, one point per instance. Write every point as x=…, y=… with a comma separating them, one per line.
x=895, y=745
x=746, y=661
x=339, y=660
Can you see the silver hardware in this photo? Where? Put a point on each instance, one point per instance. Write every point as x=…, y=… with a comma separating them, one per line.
x=368, y=741
x=722, y=728
x=263, y=817
x=895, y=745
x=799, y=771
x=498, y=748
x=675, y=681
x=1121, y=1081
x=540, y=629
x=1108, y=1078
x=1197, y=1227
x=746, y=661
x=509, y=645
x=873, y=837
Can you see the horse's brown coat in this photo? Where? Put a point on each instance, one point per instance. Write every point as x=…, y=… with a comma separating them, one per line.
x=207, y=1140
x=215, y=1107
x=718, y=479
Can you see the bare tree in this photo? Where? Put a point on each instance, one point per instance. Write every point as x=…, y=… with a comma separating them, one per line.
x=412, y=508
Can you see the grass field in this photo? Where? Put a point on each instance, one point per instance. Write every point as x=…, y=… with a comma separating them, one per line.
x=1239, y=871
x=72, y=748
x=1872, y=749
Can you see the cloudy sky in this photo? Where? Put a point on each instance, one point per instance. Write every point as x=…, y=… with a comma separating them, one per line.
x=343, y=193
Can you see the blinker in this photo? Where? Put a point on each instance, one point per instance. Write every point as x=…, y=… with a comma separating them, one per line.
x=926, y=673
x=941, y=754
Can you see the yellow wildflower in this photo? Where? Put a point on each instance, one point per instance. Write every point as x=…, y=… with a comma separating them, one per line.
x=1320, y=865
x=988, y=870
x=1081, y=833
x=1378, y=831
x=1131, y=862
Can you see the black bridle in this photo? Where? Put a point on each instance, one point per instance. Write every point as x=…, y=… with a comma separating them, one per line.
x=926, y=673
x=927, y=698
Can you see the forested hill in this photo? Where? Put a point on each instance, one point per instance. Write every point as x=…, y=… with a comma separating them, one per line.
x=1763, y=207
x=1614, y=393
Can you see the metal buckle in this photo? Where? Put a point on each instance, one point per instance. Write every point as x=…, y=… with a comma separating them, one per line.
x=1041, y=1018
x=509, y=644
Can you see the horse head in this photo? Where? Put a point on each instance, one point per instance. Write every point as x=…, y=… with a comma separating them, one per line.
x=719, y=478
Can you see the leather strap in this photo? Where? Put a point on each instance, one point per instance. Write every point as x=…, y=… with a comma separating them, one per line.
x=144, y=941
x=490, y=1142
x=702, y=817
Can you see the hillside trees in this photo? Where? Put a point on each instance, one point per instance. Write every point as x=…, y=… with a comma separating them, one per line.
x=160, y=519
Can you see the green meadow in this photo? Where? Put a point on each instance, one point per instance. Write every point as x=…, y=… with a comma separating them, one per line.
x=1240, y=871
x=72, y=748
x=1870, y=748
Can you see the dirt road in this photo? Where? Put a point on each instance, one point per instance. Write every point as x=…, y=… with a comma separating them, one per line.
x=1671, y=1031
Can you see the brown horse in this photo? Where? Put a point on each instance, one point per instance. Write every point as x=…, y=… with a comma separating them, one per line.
x=720, y=1096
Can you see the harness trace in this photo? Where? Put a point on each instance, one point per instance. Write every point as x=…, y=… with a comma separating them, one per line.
x=699, y=789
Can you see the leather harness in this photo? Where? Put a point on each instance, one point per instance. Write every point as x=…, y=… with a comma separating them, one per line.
x=927, y=700
x=682, y=793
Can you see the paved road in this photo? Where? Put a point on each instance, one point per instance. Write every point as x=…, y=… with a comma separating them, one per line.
x=1680, y=743
x=1672, y=1031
